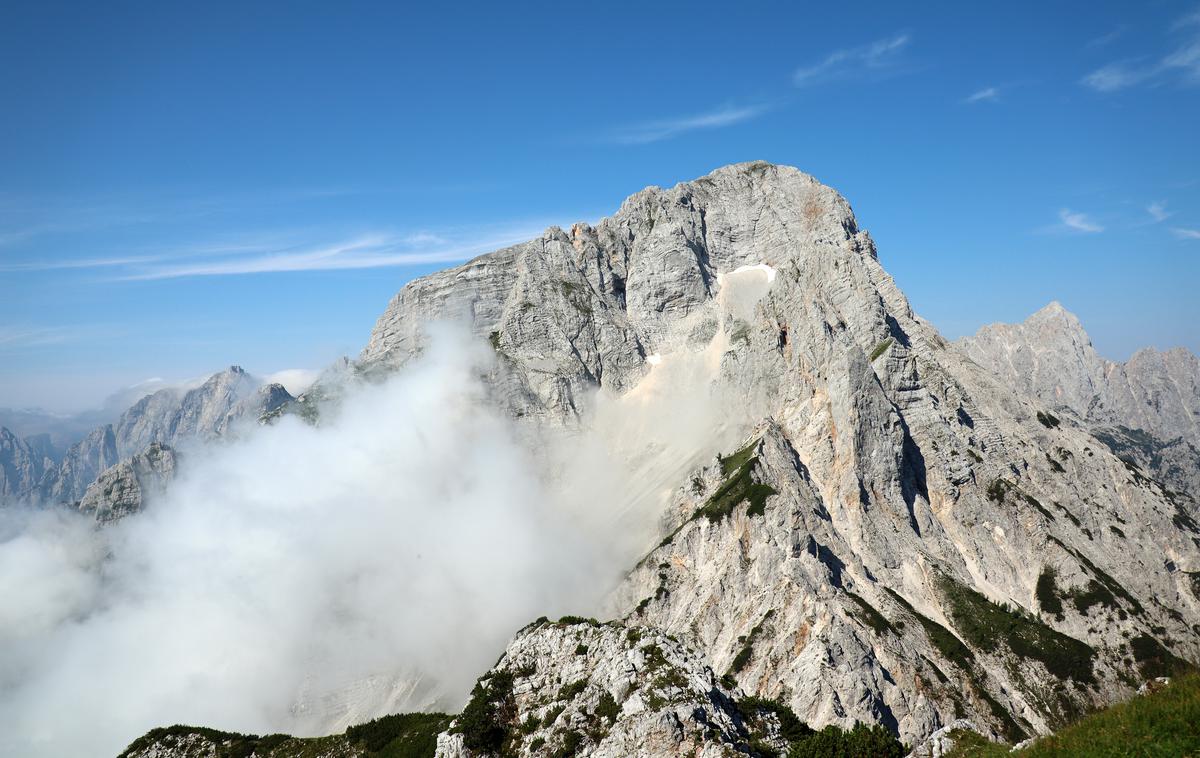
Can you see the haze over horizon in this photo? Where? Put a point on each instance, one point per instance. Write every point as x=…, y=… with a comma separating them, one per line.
x=189, y=189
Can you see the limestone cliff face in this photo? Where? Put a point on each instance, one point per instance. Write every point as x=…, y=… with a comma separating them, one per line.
x=167, y=418
x=895, y=490
x=1146, y=409
x=22, y=465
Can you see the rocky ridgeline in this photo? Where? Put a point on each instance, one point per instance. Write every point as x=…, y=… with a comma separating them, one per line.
x=906, y=537
x=1147, y=409
x=109, y=472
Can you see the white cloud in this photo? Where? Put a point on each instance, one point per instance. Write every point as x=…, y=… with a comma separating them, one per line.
x=1116, y=76
x=1184, y=62
x=32, y=336
x=1158, y=212
x=988, y=94
x=1191, y=19
x=294, y=380
x=1105, y=39
x=56, y=265
x=1078, y=222
x=867, y=60
x=379, y=250
x=297, y=578
x=1186, y=234
x=654, y=131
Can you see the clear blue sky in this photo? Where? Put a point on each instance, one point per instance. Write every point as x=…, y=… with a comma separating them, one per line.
x=161, y=162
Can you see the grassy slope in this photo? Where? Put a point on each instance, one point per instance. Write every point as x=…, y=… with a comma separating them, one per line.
x=1165, y=724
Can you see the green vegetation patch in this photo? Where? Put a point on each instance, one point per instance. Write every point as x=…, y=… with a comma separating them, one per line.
x=954, y=650
x=229, y=744
x=1109, y=583
x=738, y=488
x=874, y=741
x=743, y=657
x=576, y=620
x=487, y=720
x=983, y=624
x=1161, y=724
x=998, y=489
x=862, y=741
x=1155, y=660
x=1047, y=594
x=871, y=617
x=1048, y=420
x=401, y=735
x=951, y=647
x=880, y=349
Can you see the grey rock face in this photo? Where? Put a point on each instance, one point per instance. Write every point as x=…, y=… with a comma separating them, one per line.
x=168, y=418
x=1147, y=409
x=612, y=691
x=22, y=465
x=912, y=490
x=124, y=488
x=83, y=462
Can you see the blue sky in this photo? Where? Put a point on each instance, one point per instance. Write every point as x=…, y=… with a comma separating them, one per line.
x=189, y=186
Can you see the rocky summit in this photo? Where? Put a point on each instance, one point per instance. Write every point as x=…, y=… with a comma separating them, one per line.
x=904, y=536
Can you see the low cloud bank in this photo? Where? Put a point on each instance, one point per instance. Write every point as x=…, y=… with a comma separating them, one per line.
x=300, y=579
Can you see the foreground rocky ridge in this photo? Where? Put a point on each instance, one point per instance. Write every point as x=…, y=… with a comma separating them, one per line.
x=902, y=538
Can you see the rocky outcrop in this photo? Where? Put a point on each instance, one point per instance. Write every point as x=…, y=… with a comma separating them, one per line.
x=124, y=488
x=578, y=687
x=1146, y=409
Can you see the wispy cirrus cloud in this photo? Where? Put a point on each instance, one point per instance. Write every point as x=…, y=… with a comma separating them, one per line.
x=14, y=336
x=272, y=253
x=877, y=59
x=662, y=129
x=1105, y=39
x=988, y=94
x=77, y=263
x=1158, y=212
x=1182, y=63
x=1077, y=222
x=1186, y=234
x=379, y=250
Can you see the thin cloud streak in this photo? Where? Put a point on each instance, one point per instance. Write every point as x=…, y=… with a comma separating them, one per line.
x=655, y=131
x=1186, y=234
x=1078, y=222
x=371, y=251
x=1184, y=61
x=80, y=263
x=874, y=59
x=989, y=94
x=12, y=337
x=1158, y=212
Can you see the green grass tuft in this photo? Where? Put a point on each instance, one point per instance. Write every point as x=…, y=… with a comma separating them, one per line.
x=984, y=624
x=880, y=349
x=738, y=488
